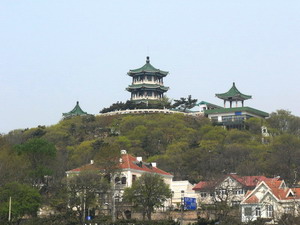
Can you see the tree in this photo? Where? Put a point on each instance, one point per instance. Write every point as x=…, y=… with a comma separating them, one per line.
x=147, y=192
x=25, y=201
x=83, y=191
x=185, y=103
x=40, y=153
x=284, y=122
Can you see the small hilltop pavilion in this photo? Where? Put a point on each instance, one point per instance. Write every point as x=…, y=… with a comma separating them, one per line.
x=147, y=83
x=233, y=117
x=77, y=111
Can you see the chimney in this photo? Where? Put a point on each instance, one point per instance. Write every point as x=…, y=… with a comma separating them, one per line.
x=92, y=161
x=140, y=159
x=123, y=152
x=154, y=164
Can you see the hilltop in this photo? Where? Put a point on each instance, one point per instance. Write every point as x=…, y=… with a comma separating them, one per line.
x=188, y=147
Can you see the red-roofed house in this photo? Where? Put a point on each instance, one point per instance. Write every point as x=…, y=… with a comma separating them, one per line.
x=230, y=188
x=130, y=169
x=270, y=199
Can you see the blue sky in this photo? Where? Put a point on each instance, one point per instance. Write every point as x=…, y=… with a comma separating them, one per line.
x=54, y=53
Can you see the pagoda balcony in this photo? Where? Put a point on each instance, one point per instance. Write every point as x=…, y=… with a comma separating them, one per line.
x=146, y=98
x=147, y=82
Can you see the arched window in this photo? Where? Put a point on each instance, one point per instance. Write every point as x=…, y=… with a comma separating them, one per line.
x=123, y=180
x=117, y=180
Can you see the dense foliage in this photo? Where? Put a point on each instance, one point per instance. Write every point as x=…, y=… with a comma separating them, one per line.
x=188, y=147
x=147, y=193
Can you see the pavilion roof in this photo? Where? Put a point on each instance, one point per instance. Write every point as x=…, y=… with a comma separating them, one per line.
x=147, y=68
x=77, y=111
x=233, y=95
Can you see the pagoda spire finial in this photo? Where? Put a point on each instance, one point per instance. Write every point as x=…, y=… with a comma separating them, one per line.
x=147, y=59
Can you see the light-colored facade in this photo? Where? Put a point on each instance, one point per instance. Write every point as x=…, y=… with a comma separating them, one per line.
x=270, y=200
x=181, y=189
x=230, y=189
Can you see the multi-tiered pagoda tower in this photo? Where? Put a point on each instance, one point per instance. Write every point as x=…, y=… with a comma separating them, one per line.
x=147, y=83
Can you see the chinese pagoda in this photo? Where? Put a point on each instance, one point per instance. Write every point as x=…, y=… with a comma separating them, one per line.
x=77, y=111
x=147, y=83
x=232, y=117
x=233, y=95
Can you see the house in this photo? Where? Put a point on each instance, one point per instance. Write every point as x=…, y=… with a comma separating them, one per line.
x=270, y=200
x=181, y=189
x=230, y=189
x=129, y=169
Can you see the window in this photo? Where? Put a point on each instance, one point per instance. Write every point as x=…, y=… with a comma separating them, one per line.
x=248, y=211
x=117, y=180
x=270, y=211
x=258, y=212
x=288, y=210
x=133, y=178
x=236, y=203
x=149, y=78
x=203, y=194
x=226, y=118
x=123, y=180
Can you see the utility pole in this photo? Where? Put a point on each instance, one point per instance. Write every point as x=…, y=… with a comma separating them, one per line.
x=182, y=206
x=9, y=210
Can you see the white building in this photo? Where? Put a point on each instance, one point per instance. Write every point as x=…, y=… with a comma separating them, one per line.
x=230, y=189
x=181, y=189
x=130, y=168
x=270, y=200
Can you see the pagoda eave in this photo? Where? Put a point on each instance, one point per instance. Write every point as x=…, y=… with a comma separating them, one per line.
x=147, y=89
x=144, y=72
x=233, y=98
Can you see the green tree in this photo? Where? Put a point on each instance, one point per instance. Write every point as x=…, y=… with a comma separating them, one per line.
x=40, y=154
x=185, y=103
x=284, y=122
x=25, y=201
x=83, y=190
x=147, y=192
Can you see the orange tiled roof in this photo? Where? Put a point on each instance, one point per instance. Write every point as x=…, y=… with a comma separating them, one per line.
x=275, y=188
x=246, y=181
x=128, y=162
x=250, y=181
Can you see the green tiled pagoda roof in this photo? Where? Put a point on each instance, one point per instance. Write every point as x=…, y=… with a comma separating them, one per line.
x=237, y=109
x=147, y=68
x=146, y=86
x=233, y=94
x=77, y=111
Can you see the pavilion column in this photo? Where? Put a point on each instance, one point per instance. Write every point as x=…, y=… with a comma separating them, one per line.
x=236, y=103
x=224, y=103
x=230, y=104
x=242, y=103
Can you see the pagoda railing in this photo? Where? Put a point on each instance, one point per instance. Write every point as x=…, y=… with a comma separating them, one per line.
x=147, y=82
x=148, y=111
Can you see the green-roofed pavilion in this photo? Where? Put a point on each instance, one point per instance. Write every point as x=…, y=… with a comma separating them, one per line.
x=77, y=111
x=233, y=95
x=147, y=83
